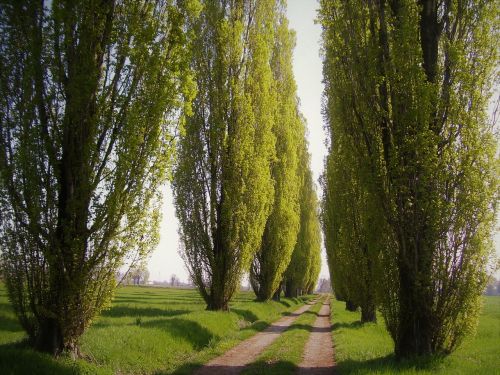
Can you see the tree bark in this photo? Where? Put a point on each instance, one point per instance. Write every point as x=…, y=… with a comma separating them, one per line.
x=277, y=294
x=49, y=338
x=350, y=306
x=416, y=329
x=368, y=314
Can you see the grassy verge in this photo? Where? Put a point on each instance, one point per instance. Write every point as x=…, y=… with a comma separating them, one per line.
x=146, y=331
x=368, y=349
x=284, y=355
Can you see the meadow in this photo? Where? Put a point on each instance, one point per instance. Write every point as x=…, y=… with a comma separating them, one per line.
x=368, y=349
x=145, y=331
x=168, y=331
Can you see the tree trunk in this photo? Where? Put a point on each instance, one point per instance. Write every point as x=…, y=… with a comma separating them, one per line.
x=217, y=304
x=350, y=306
x=290, y=290
x=49, y=338
x=277, y=294
x=368, y=314
x=415, y=331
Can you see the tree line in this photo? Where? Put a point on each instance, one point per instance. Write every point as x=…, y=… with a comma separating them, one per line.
x=410, y=183
x=103, y=102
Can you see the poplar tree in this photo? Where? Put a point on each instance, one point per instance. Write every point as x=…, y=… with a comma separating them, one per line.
x=223, y=188
x=409, y=82
x=304, y=267
x=282, y=225
x=348, y=216
x=89, y=93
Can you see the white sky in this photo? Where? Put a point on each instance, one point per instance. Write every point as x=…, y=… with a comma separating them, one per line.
x=307, y=67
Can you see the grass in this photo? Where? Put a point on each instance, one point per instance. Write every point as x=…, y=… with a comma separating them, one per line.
x=285, y=354
x=368, y=348
x=146, y=331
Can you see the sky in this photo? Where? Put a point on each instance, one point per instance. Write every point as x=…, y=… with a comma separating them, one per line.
x=165, y=259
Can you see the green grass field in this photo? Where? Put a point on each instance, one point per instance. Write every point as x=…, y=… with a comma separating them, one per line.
x=164, y=331
x=367, y=349
x=146, y=331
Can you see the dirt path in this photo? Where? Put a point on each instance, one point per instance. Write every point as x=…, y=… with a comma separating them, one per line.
x=318, y=352
x=234, y=360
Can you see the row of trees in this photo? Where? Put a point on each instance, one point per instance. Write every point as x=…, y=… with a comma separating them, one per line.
x=93, y=93
x=242, y=183
x=410, y=185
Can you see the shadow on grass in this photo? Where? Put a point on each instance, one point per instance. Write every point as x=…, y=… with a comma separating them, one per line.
x=354, y=325
x=119, y=311
x=19, y=358
x=256, y=368
x=259, y=325
x=188, y=330
x=285, y=303
x=159, y=300
x=282, y=367
x=387, y=364
x=8, y=324
x=246, y=314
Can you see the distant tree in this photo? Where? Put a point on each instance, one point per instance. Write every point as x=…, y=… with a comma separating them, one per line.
x=174, y=280
x=303, y=271
x=408, y=82
x=90, y=90
x=282, y=226
x=222, y=182
x=139, y=274
x=492, y=288
x=349, y=216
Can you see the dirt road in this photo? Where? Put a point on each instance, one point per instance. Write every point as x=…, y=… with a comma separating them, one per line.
x=234, y=360
x=318, y=352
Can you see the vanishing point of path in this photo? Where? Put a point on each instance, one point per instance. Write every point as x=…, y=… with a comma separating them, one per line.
x=235, y=359
x=318, y=352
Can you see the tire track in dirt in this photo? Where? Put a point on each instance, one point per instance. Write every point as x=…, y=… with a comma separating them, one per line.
x=318, y=352
x=235, y=359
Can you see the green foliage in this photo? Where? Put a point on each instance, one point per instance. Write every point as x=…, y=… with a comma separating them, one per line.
x=367, y=348
x=282, y=226
x=349, y=216
x=305, y=265
x=90, y=92
x=222, y=185
x=408, y=83
x=176, y=334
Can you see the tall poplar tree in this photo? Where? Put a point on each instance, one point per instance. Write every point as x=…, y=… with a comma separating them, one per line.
x=89, y=92
x=280, y=234
x=222, y=183
x=409, y=81
x=303, y=270
x=349, y=216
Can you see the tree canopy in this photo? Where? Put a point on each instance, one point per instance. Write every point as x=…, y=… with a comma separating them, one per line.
x=408, y=82
x=90, y=92
x=222, y=183
x=282, y=226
